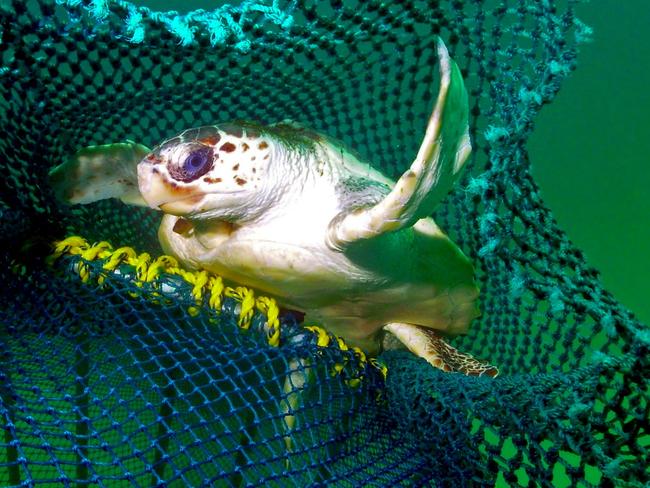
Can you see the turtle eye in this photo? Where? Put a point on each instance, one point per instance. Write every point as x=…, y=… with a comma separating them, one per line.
x=197, y=163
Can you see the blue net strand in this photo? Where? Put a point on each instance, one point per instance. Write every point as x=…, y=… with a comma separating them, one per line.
x=107, y=381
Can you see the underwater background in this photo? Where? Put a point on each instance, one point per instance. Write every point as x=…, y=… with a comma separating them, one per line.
x=590, y=149
x=100, y=383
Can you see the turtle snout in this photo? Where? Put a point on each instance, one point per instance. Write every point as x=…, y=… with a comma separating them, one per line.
x=151, y=185
x=159, y=193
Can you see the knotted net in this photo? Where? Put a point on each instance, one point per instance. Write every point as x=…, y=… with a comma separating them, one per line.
x=107, y=381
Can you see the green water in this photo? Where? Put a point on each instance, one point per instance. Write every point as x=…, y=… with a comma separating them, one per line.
x=589, y=157
x=591, y=150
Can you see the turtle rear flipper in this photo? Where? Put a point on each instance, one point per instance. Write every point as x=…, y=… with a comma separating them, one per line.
x=99, y=172
x=430, y=345
x=294, y=385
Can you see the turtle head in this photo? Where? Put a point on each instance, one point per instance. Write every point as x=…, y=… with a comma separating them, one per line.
x=210, y=172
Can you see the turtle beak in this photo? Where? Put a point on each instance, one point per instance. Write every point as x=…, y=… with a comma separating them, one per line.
x=167, y=196
x=182, y=207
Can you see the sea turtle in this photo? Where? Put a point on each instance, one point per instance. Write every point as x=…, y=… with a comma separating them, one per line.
x=295, y=215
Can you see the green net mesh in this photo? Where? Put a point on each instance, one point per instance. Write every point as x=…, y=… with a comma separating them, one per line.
x=101, y=385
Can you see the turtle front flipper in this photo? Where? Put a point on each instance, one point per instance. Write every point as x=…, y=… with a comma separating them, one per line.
x=443, y=152
x=430, y=345
x=99, y=172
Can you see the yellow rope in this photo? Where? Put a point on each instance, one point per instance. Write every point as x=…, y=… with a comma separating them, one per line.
x=203, y=284
x=323, y=336
x=216, y=291
x=267, y=306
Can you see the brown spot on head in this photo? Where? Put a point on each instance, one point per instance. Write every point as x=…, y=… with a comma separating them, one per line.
x=210, y=140
x=254, y=170
x=263, y=145
x=227, y=147
x=153, y=158
x=244, y=147
x=240, y=181
x=235, y=167
x=207, y=179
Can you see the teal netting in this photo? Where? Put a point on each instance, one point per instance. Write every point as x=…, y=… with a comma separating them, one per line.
x=102, y=386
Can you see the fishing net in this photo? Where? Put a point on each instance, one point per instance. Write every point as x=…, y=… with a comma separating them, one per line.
x=119, y=369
